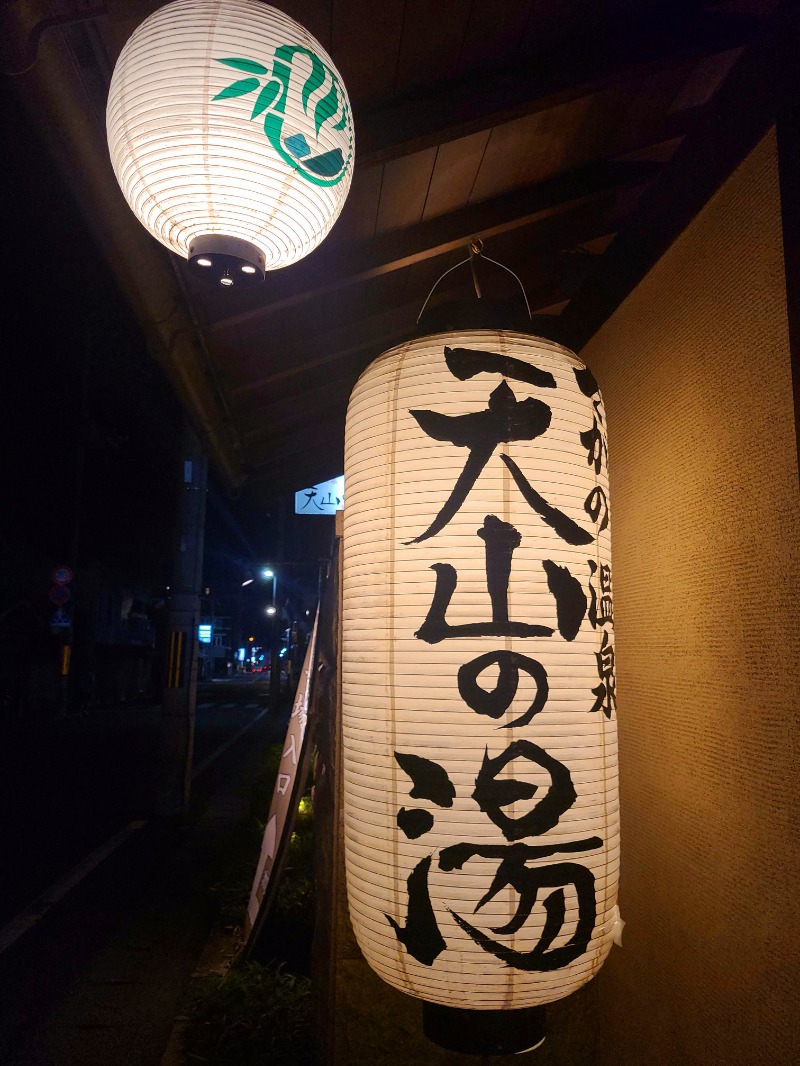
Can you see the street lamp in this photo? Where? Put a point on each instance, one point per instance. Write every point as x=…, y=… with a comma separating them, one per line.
x=271, y=574
x=274, y=670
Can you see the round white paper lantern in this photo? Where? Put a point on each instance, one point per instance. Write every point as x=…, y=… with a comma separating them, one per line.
x=479, y=732
x=231, y=135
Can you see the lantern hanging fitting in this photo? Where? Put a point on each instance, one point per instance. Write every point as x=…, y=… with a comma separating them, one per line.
x=475, y=251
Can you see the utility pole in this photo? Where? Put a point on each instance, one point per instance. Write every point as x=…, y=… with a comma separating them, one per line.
x=277, y=618
x=180, y=690
x=78, y=474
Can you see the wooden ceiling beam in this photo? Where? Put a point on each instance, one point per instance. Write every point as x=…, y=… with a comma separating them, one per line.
x=341, y=367
x=379, y=330
x=469, y=105
x=334, y=265
x=307, y=405
x=348, y=351
x=328, y=401
x=743, y=109
x=287, y=454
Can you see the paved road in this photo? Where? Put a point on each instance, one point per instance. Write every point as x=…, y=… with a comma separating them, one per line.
x=67, y=785
x=98, y=979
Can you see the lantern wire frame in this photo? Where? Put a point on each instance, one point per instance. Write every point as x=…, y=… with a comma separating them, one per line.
x=475, y=249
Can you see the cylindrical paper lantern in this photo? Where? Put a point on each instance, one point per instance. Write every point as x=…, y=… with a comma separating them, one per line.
x=479, y=731
x=231, y=136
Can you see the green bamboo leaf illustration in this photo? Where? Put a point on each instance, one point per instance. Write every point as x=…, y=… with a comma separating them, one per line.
x=245, y=64
x=325, y=108
x=239, y=88
x=342, y=123
x=314, y=80
x=266, y=97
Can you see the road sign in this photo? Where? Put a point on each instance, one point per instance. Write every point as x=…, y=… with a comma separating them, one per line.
x=60, y=594
x=60, y=619
x=62, y=575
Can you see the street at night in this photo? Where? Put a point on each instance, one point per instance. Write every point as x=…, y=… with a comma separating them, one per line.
x=78, y=780
x=100, y=900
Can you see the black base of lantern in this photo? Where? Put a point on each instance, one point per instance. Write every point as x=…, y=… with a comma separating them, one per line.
x=484, y=1032
x=226, y=261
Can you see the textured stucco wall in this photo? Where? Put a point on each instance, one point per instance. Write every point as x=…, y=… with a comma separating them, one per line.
x=695, y=372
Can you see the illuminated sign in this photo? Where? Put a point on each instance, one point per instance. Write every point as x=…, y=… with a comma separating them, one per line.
x=204, y=634
x=325, y=498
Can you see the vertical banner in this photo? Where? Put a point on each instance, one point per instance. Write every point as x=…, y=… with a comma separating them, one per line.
x=285, y=796
x=478, y=680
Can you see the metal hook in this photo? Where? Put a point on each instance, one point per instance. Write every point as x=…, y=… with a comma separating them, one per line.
x=516, y=278
x=461, y=262
x=475, y=249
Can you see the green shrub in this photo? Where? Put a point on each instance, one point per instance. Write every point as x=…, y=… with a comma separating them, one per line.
x=295, y=896
x=258, y=1013
x=254, y=1014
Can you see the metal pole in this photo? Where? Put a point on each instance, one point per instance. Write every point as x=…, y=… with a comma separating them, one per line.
x=180, y=691
x=79, y=471
x=275, y=661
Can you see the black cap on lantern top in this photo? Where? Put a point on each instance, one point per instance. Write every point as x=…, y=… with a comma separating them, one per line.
x=472, y=313
x=484, y=1032
x=226, y=261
